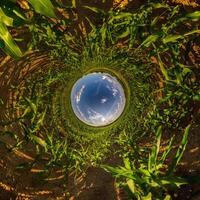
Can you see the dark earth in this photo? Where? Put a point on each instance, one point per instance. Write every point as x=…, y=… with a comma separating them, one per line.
x=96, y=184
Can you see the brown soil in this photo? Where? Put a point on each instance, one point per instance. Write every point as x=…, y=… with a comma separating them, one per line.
x=29, y=183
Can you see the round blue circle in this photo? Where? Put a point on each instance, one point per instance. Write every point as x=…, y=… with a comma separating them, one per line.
x=97, y=99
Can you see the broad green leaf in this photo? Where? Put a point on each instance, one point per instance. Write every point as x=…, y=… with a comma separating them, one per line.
x=149, y=40
x=44, y=7
x=10, y=47
x=8, y=21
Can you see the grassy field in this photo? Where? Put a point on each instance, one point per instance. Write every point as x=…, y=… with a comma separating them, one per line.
x=152, y=150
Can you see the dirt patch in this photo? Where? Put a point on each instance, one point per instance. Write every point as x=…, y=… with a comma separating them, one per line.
x=17, y=182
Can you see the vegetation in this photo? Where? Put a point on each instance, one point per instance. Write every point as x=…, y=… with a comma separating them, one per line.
x=150, y=177
x=145, y=48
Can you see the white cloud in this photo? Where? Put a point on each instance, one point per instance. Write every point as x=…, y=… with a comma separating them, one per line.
x=115, y=91
x=78, y=95
x=103, y=100
x=95, y=117
x=105, y=77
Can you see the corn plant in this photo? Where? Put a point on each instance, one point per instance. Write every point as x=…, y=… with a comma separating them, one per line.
x=12, y=16
x=151, y=177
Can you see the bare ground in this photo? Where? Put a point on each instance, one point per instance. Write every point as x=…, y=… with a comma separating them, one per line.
x=29, y=184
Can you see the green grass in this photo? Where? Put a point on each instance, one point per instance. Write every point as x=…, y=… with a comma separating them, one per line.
x=123, y=44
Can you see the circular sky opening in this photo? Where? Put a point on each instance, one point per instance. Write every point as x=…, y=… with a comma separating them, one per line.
x=97, y=99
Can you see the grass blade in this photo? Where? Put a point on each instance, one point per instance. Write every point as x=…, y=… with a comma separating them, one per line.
x=174, y=38
x=162, y=68
x=44, y=7
x=179, y=152
x=149, y=40
x=39, y=141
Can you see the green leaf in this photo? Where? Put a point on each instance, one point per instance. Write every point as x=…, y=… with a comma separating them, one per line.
x=194, y=16
x=103, y=32
x=167, y=150
x=148, y=197
x=96, y=10
x=179, y=152
x=124, y=34
x=127, y=163
x=174, y=38
x=196, y=97
x=151, y=159
x=39, y=140
x=74, y=3
x=159, y=5
x=154, y=151
x=162, y=68
x=44, y=7
x=149, y=40
x=22, y=165
x=131, y=185
x=8, y=21
x=41, y=119
x=20, y=15
x=32, y=105
x=168, y=197
x=176, y=181
x=12, y=11
x=10, y=47
x=121, y=16
x=155, y=20
x=94, y=29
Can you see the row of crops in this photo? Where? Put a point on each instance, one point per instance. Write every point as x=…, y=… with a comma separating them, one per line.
x=153, y=46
